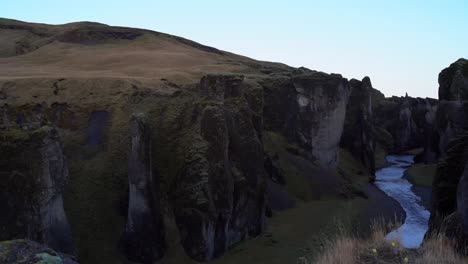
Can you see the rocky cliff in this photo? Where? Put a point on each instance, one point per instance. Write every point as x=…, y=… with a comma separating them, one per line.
x=35, y=174
x=405, y=123
x=358, y=129
x=143, y=239
x=449, y=209
x=453, y=107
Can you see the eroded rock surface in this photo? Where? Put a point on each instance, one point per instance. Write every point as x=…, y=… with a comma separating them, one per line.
x=220, y=197
x=30, y=252
x=143, y=240
x=35, y=173
x=410, y=122
x=309, y=109
x=452, y=116
x=359, y=125
x=449, y=209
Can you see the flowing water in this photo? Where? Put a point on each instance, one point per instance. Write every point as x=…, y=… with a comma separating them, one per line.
x=390, y=180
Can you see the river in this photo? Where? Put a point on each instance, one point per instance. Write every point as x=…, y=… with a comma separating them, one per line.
x=390, y=180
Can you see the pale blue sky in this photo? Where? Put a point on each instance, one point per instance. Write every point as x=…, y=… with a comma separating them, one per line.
x=401, y=44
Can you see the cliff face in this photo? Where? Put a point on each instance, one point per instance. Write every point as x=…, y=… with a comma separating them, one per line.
x=309, y=109
x=453, y=109
x=411, y=123
x=359, y=124
x=449, y=211
x=144, y=234
x=219, y=199
x=35, y=173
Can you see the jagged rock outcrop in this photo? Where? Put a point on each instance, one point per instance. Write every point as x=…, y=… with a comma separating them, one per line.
x=449, y=209
x=309, y=109
x=452, y=115
x=359, y=125
x=219, y=199
x=143, y=239
x=30, y=252
x=35, y=173
x=55, y=229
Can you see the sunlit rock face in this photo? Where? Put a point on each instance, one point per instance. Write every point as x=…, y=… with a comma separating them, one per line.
x=36, y=173
x=309, y=108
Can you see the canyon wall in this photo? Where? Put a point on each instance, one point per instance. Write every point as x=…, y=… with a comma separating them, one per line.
x=449, y=209
x=359, y=124
x=405, y=123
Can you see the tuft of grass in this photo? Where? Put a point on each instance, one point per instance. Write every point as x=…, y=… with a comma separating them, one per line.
x=440, y=249
x=348, y=249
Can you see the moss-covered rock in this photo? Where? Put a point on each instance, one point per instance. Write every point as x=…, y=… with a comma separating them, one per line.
x=453, y=108
x=34, y=175
x=219, y=198
x=449, y=183
x=30, y=252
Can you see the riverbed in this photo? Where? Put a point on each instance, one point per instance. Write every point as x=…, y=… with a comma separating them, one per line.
x=391, y=181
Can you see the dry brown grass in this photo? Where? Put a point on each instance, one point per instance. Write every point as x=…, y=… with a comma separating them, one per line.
x=342, y=251
x=439, y=250
x=347, y=249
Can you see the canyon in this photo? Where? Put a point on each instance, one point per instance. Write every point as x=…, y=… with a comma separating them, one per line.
x=121, y=144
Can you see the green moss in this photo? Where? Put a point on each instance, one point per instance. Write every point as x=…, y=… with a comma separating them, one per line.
x=14, y=135
x=422, y=174
x=97, y=188
x=296, y=182
x=45, y=258
x=353, y=171
x=379, y=154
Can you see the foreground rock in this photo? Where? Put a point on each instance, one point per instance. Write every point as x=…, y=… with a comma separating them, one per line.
x=449, y=209
x=449, y=204
x=30, y=252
